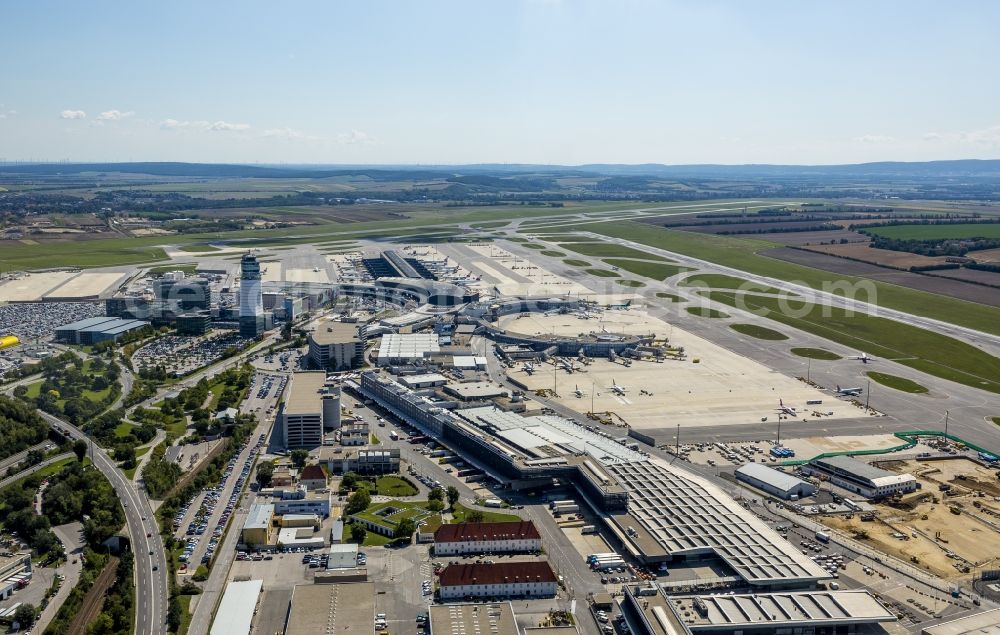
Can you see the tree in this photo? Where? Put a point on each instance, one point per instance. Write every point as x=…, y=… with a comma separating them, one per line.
x=474, y=516
x=435, y=505
x=358, y=533
x=80, y=449
x=436, y=494
x=34, y=457
x=358, y=501
x=299, y=457
x=452, y=495
x=286, y=331
x=25, y=615
x=405, y=529
x=265, y=471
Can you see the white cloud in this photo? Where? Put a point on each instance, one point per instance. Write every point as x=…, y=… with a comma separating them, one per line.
x=225, y=126
x=218, y=126
x=114, y=115
x=4, y=113
x=354, y=136
x=290, y=134
x=984, y=136
x=73, y=114
x=874, y=138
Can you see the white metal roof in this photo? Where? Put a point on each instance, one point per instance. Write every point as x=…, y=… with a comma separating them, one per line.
x=236, y=609
x=687, y=514
x=774, y=478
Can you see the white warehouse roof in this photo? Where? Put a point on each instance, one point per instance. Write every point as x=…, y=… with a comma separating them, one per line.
x=774, y=478
x=237, y=607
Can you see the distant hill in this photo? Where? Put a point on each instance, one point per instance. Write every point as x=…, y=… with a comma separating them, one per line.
x=966, y=168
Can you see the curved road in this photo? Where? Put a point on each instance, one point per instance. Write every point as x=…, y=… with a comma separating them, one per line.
x=151, y=586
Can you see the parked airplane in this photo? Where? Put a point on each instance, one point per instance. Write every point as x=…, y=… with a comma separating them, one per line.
x=618, y=390
x=528, y=368
x=849, y=392
x=786, y=410
x=624, y=306
x=863, y=358
x=567, y=366
x=579, y=393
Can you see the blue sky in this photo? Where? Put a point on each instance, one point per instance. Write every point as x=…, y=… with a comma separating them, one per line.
x=533, y=81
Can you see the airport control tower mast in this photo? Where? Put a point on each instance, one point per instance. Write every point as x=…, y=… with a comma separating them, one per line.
x=251, y=299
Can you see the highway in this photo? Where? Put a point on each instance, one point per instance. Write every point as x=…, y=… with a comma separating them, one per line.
x=20, y=456
x=151, y=586
x=34, y=468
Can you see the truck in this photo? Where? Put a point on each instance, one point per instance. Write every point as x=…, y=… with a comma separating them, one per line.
x=394, y=435
x=557, y=503
x=822, y=536
x=566, y=509
x=588, y=529
x=493, y=502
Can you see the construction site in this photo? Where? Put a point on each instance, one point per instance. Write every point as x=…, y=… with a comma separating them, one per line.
x=949, y=527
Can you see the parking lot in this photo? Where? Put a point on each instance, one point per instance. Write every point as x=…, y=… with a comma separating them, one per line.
x=182, y=355
x=201, y=542
x=37, y=320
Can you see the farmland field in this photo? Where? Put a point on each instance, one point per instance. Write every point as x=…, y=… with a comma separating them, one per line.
x=882, y=257
x=930, y=282
x=742, y=253
x=933, y=232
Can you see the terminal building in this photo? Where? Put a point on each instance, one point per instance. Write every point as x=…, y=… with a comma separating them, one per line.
x=648, y=611
x=506, y=537
x=502, y=579
x=310, y=408
x=336, y=346
x=774, y=482
x=660, y=512
x=860, y=477
x=96, y=330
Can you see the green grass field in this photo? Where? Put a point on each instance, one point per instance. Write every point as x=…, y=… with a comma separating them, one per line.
x=741, y=253
x=760, y=332
x=573, y=262
x=932, y=232
x=552, y=253
x=394, y=486
x=534, y=246
x=609, y=250
x=631, y=283
x=816, y=353
x=917, y=348
x=460, y=511
x=673, y=297
x=654, y=270
x=899, y=383
x=123, y=429
x=602, y=273
x=81, y=253
x=720, y=281
x=701, y=311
